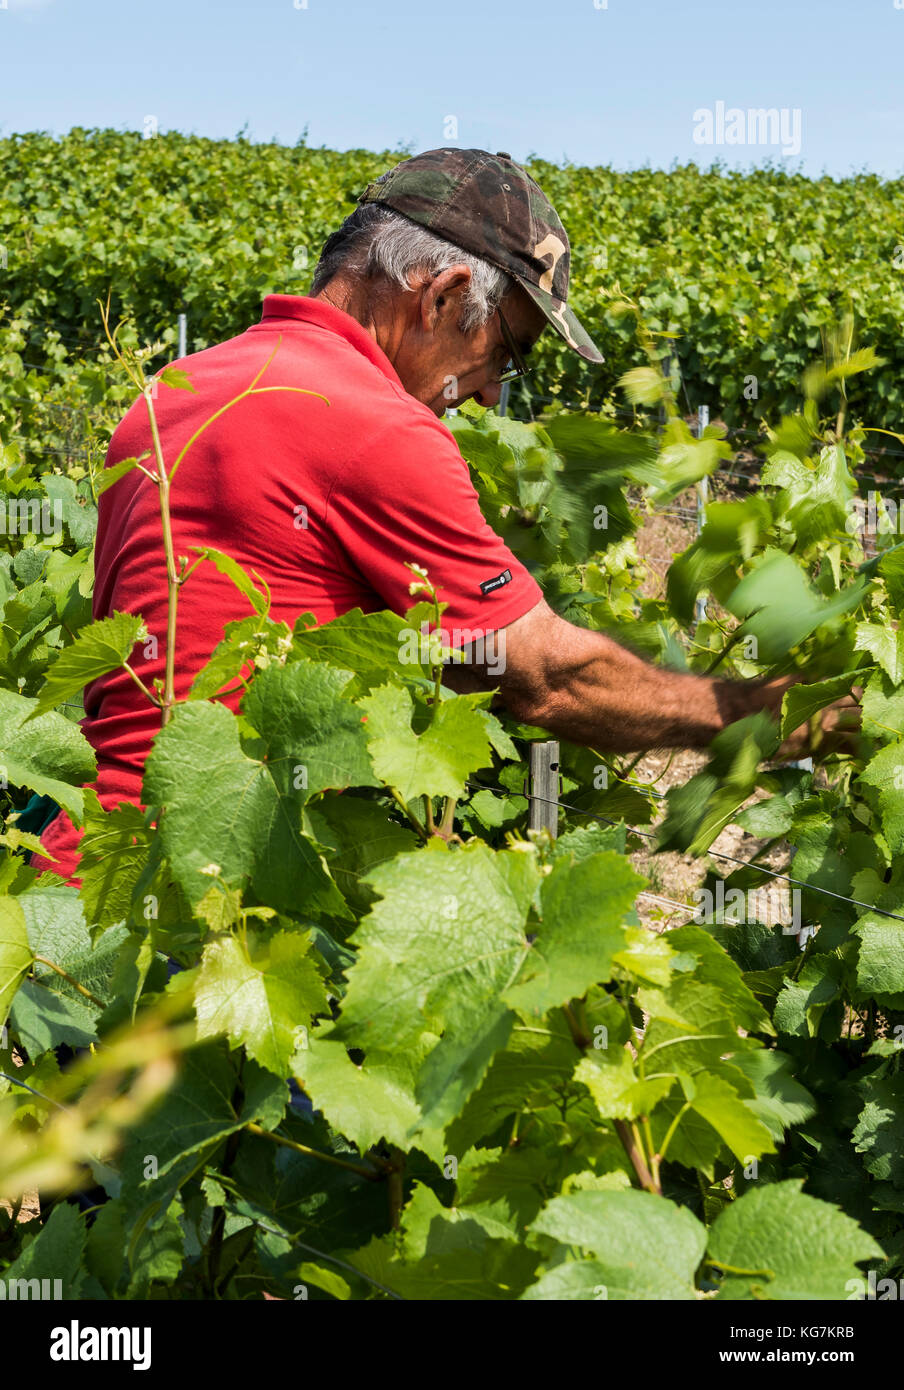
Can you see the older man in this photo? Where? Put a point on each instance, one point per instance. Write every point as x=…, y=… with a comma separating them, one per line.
x=432, y=292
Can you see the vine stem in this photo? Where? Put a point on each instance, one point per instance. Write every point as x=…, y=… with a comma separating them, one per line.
x=371, y=1174
x=218, y=1226
x=631, y=1144
x=398, y=797
x=655, y=1158
x=140, y=683
x=445, y=827
x=579, y=1036
x=733, y=1269
x=42, y=960
x=172, y=574
x=628, y=1134
x=671, y=1130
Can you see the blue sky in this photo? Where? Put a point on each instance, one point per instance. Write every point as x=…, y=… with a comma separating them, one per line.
x=591, y=81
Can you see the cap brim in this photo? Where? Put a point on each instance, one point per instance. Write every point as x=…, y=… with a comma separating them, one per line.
x=564, y=320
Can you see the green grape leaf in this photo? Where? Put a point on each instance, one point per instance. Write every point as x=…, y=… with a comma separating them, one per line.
x=49, y=1010
x=703, y=806
x=176, y=378
x=891, y=567
x=766, y=819
x=370, y=644
x=879, y=1132
x=54, y=1254
x=448, y=1255
x=44, y=1019
x=234, y=818
x=775, y=1242
x=156, y=1258
x=356, y=836
x=883, y=708
x=802, y=1003
x=780, y=609
x=309, y=728
x=614, y=1084
x=528, y=1075
x=886, y=772
x=719, y=1104
x=101, y=647
x=194, y=1117
x=329, y=1280
x=779, y=1100
x=803, y=701
x=684, y=460
x=434, y=763
x=731, y=533
x=585, y=840
x=233, y=570
x=49, y=754
x=435, y=954
x=251, y=641
x=368, y=1102
x=880, y=959
x=262, y=1004
x=574, y=1281
x=885, y=645
x=113, y=852
x=15, y=952
x=81, y=520
x=440, y=944
x=107, y=1244
x=715, y=967
x=646, y=1247
x=582, y=911
x=114, y=471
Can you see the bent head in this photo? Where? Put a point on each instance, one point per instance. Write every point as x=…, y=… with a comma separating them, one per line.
x=455, y=261
x=450, y=322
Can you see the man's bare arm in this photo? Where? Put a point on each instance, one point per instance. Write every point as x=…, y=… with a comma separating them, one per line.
x=584, y=687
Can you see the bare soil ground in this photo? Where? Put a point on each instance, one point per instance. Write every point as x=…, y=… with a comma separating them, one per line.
x=30, y=1206
x=672, y=876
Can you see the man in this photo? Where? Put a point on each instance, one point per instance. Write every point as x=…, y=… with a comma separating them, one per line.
x=447, y=273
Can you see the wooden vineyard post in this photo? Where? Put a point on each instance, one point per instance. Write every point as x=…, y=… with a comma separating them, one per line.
x=543, y=787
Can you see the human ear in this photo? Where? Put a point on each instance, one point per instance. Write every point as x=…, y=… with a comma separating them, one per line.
x=444, y=293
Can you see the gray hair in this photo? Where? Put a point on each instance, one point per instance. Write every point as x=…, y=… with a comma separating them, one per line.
x=375, y=242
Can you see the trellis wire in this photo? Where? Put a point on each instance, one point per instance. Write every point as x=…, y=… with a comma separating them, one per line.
x=714, y=854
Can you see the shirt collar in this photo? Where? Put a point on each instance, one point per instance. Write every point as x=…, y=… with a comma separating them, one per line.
x=297, y=308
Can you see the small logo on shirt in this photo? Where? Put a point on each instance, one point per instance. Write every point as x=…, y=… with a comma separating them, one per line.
x=489, y=585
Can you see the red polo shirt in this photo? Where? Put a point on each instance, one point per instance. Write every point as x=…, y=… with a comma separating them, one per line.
x=325, y=499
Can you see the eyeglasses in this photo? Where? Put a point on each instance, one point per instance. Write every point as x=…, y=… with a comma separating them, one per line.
x=516, y=366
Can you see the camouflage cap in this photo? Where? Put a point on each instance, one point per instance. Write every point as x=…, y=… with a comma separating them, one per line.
x=489, y=205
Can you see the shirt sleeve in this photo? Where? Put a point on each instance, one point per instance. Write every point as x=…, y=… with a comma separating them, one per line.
x=408, y=497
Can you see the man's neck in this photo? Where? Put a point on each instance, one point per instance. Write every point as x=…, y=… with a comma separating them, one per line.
x=349, y=295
